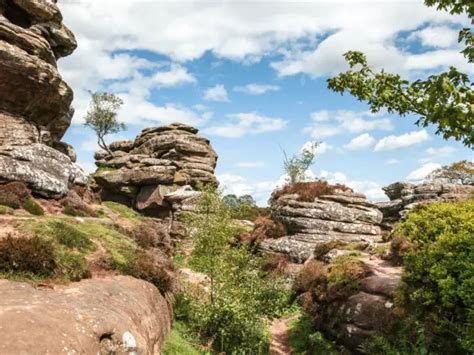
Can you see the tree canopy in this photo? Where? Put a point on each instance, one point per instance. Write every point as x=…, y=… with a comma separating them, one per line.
x=461, y=172
x=296, y=166
x=445, y=100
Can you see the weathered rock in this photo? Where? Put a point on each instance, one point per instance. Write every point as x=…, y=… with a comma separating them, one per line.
x=404, y=197
x=142, y=173
x=32, y=38
x=344, y=216
x=100, y=316
x=46, y=171
x=66, y=149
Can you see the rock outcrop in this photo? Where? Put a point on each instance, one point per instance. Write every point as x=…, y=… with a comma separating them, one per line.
x=343, y=216
x=35, y=102
x=405, y=196
x=115, y=315
x=158, y=170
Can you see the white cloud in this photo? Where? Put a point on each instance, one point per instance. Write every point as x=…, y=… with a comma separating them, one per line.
x=321, y=148
x=363, y=141
x=256, y=89
x=391, y=161
x=422, y=172
x=249, y=164
x=441, y=151
x=216, y=93
x=436, y=36
x=371, y=189
x=402, y=141
x=246, y=123
x=331, y=123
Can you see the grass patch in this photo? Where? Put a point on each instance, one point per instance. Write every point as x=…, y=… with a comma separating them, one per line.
x=178, y=342
x=33, y=207
x=122, y=210
x=6, y=210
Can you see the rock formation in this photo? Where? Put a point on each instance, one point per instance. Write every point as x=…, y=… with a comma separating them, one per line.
x=35, y=103
x=343, y=215
x=405, y=196
x=148, y=172
x=115, y=315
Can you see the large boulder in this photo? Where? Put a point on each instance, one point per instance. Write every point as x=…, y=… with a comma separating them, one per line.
x=405, y=196
x=115, y=315
x=144, y=173
x=343, y=215
x=34, y=100
x=46, y=171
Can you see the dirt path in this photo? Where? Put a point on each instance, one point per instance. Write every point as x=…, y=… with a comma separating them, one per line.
x=279, y=337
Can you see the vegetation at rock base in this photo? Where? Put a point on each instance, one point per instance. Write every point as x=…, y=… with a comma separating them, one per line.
x=231, y=315
x=435, y=307
x=16, y=195
x=305, y=341
x=297, y=165
x=243, y=207
x=102, y=116
x=445, y=100
x=178, y=342
x=461, y=172
x=308, y=191
x=264, y=227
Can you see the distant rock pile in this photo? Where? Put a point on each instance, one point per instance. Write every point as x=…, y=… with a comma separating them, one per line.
x=343, y=215
x=35, y=103
x=405, y=196
x=158, y=171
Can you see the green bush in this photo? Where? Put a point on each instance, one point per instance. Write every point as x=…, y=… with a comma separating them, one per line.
x=5, y=209
x=437, y=287
x=304, y=340
x=33, y=207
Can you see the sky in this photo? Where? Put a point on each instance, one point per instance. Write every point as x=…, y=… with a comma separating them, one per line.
x=251, y=75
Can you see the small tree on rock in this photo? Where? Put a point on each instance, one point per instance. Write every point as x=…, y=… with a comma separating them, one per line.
x=102, y=116
x=296, y=166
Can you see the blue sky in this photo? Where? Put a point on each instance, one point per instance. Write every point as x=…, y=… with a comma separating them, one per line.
x=252, y=76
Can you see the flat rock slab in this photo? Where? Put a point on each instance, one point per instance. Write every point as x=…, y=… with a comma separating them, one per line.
x=99, y=316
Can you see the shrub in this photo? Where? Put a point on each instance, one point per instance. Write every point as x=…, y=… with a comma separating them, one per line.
x=151, y=234
x=399, y=247
x=308, y=191
x=264, y=227
x=33, y=207
x=437, y=285
x=304, y=340
x=150, y=267
x=74, y=204
x=27, y=255
x=322, y=249
x=14, y=194
x=275, y=264
x=313, y=273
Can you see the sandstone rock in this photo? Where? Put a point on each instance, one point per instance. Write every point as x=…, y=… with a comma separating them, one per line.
x=46, y=171
x=158, y=162
x=100, y=316
x=404, y=197
x=66, y=149
x=344, y=216
x=32, y=38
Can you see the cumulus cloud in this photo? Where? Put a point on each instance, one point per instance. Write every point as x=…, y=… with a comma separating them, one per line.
x=321, y=148
x=216, y=93
x=441, y=151
x=391, y=161
x=436, y=36
x=363, y=141
x=331, y=123
x=402, y=141
x=422, y=172
x=256, y=89
x=246, y=123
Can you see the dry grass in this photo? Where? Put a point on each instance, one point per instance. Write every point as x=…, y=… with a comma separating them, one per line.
x=308, y=191
x=14, y=194
x=264, y=227
x=313, y=274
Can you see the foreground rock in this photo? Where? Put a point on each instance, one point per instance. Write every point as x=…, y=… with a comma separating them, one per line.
x=147, y=172
x=99, y=316
x=35, y=102
x=343, y=216
x=405, y=196
x=43, y=169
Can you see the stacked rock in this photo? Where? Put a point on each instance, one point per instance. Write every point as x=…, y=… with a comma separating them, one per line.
x=147, y=173
x=35, y=103
x=405, y=196
x=342, y=216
